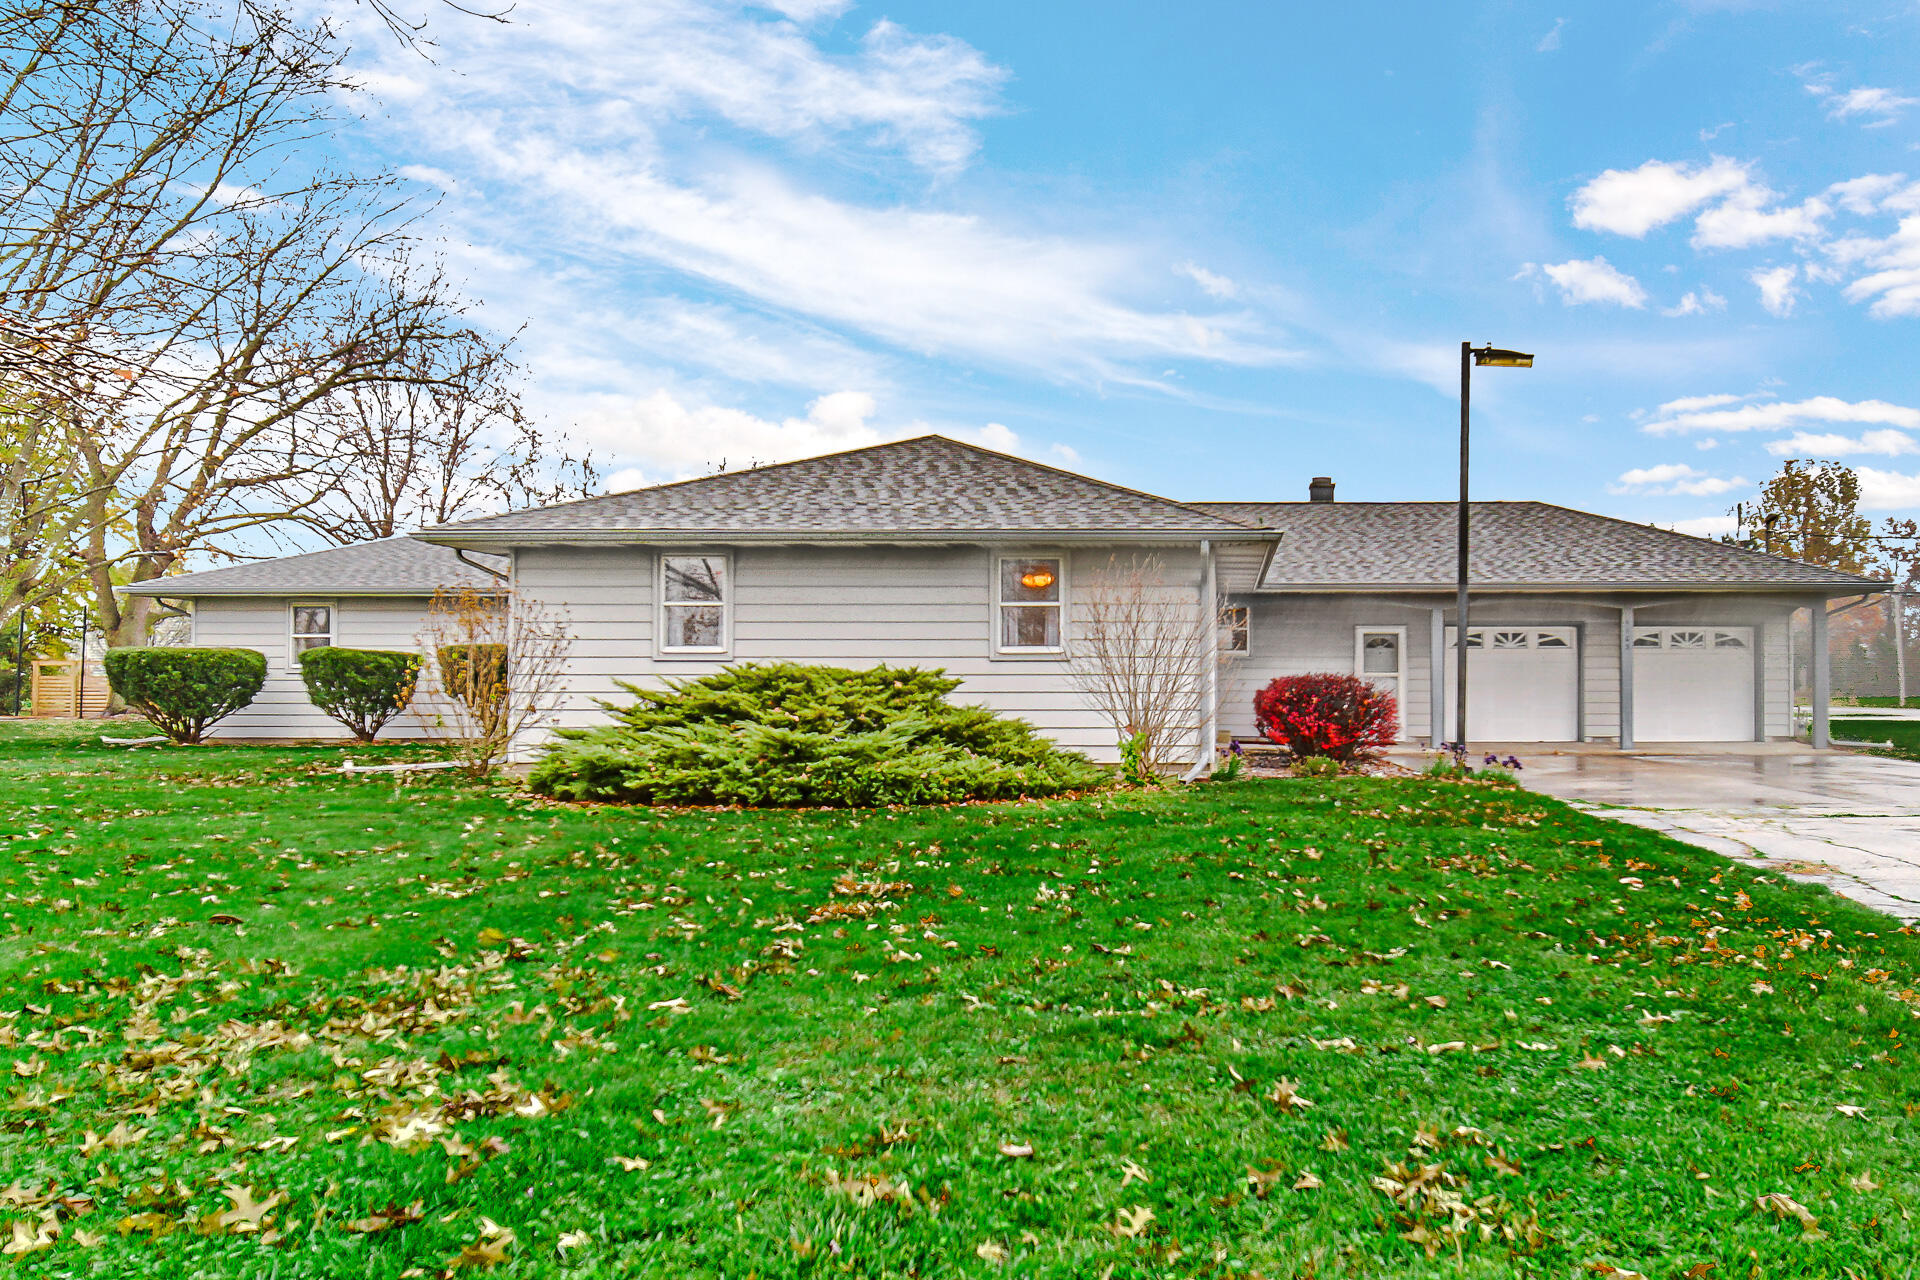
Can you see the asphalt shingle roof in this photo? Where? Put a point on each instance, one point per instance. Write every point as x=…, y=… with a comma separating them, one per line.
x=926, y=486
x=394, y=566
x=1536, y=544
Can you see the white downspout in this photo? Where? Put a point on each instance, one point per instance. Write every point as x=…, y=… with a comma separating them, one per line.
x=1210, y=627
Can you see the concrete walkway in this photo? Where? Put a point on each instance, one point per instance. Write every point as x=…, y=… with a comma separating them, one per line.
x=1849, y=821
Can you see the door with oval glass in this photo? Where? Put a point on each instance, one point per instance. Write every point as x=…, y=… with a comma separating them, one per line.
x=1379, y=656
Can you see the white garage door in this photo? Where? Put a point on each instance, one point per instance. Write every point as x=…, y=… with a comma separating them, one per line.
x=1692, y=684
x=1523, y=684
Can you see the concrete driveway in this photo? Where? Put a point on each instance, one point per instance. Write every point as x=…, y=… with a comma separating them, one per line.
x=1848, y=821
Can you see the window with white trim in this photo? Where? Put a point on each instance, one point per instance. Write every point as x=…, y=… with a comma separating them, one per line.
x=309, y=626
x=1236, y=628
x=1028, y=605
x=696, y=593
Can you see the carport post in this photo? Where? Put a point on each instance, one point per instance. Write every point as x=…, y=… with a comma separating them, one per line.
x=1626, y=677
x=1822, y=674
x=1437, y=663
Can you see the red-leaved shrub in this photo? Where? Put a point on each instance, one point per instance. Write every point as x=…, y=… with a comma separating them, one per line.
x=1326, y=714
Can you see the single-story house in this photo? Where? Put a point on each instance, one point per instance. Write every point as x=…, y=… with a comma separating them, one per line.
x=935, y=553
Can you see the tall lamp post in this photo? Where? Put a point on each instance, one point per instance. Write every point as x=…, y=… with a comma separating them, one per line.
x=1494, y=357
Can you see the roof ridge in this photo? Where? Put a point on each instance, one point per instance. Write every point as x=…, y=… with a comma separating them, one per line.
x=1729, y=546
x=1230, y=522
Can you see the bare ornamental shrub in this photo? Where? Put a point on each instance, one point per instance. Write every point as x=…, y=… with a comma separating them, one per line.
x=1143, y=654
x=499, y=659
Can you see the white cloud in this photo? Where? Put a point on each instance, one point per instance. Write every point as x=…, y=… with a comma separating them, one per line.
x=555, y=126
x=1803, y=444
x=1704, y=413
x=1895, y=287
x=662, y=437
x=1211, y=283
x=1777, y=293
x=1673, y=478
x=1887, y=490
x=1744, y=220
x=1551, y=41
x=1696, y=304
x=1694, y=404
x=1632, y=202
x=1863, y=195
x=1595, y=280
x=1705, y=526
x=1882, y=105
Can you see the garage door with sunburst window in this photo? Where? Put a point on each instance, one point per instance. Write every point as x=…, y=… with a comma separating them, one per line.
x=1523, y=684
x=1693, y=684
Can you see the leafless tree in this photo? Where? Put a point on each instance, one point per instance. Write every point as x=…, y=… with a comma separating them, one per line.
x=182, y=280
x=496, y=661
x=1142, y=653
x=434, y=447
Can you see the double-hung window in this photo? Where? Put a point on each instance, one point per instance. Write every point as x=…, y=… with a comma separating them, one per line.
x=1235, y=628
x=1028, y=605
x=695, y=600
x=310, y=626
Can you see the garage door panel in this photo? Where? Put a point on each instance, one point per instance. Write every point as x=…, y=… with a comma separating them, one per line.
x=1692, y=684
x=1523, y=684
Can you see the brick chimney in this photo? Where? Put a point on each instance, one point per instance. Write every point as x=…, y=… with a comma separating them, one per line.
x=1321, y=490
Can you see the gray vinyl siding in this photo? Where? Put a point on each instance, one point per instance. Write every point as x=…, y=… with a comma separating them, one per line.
x=844, y=606
x=282, y=709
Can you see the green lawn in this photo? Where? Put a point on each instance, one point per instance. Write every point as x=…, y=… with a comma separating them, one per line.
x=1903, y=734
x=260, y=1020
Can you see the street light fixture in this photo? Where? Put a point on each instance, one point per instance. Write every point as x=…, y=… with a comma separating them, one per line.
x=1497, y=358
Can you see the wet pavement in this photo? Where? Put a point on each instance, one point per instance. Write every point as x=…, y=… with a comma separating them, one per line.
x=1849, y=821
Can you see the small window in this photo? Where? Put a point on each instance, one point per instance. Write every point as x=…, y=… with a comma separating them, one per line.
x=1646, y=639
x=1686, y=640
x=1476, y=638
x=1029, y=604
x=1549, y=640
x=694, y=598
x=1380, y=654
x=1236, y=631
x=1509, y=639
x=1729, y=640
x=312, y=628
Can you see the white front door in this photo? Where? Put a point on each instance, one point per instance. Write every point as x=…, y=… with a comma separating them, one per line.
x=1379, y=656
x=1693, y=684
x=1523, y=684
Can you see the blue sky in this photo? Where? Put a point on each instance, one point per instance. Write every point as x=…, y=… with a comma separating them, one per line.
x=1209, y=249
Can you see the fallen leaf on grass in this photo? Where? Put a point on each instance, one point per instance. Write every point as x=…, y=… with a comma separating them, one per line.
x=1131, y=1222
x=631, y=1163
x=247, y=1213
x=490, y=1250
x=394, y=1215
x=1285, y=1095
x=870, y=1189
x=992, y=1251
x=1847, y=1110
x=1336, y=1140
x=1016, y=1150
x=574, y=1240
x=1590, y=1063
x=31, y=1238
x=1307, y=1182
x=1131, y=1172
x=118, y=1138
x=1782, y=1205
x=1864, y=1182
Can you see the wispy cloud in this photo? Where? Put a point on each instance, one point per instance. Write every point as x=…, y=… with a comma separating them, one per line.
x=1887, y=490
x=1211, y=283
x=1593, y=280
x=1714, y=413
x=1696, y=304
x=1876, y=106
x=1551, y=41
x=1673, y=479
x=1802, y=444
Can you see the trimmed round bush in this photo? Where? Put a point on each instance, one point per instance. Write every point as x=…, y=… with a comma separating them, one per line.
x=361, y=688
x=184, y=691
x=1341, y=717
x=779, y=735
